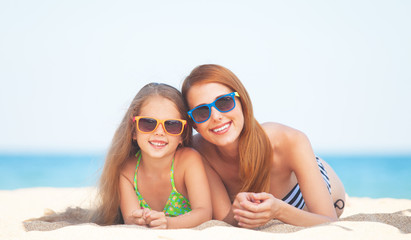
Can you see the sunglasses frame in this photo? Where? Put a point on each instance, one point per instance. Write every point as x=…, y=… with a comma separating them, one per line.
x=184, y=122
x=232, y=95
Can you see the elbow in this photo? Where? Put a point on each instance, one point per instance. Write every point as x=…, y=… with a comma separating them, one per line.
x=333, y=219
x=208, y=214
x=205, y=213
x=128, y=221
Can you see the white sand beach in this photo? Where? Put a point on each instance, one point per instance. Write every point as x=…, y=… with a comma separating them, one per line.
x=364, y=218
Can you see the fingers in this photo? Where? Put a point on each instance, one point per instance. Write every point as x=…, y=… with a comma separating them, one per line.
x=159, y=223
x=244, y=199
x=138, y=217
x=256, y=211
x=261, y=202
x=251, y=215
x=261, y=196
x=249, y=219
x=156, y=219
x=248, y=223
x=137, y=213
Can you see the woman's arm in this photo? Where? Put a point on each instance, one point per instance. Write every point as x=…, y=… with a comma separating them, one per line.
x=198, y=192
x=313, y=188
x=222, y=208
x=221, y=203
x=253, y=210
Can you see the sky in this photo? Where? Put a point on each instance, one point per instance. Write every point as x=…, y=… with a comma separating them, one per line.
x=339, y=71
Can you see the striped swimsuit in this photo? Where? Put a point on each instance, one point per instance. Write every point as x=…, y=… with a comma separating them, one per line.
x=295, y=197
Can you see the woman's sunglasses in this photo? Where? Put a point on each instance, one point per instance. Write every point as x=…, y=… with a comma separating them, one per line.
x=172, y=127
x=223, y=104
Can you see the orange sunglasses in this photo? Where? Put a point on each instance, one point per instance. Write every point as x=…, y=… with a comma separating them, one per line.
x=172, y=127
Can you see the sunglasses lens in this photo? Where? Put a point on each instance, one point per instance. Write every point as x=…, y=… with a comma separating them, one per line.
x=147, y=124
x=173, y=126
x=225, y=104
x=201, y=114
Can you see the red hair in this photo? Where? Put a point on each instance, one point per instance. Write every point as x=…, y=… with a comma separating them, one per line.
x=255, y=151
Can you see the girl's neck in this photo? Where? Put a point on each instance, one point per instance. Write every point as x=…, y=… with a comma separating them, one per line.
x=156, y=165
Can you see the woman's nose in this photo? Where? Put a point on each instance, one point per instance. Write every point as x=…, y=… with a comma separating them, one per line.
x=215, y=114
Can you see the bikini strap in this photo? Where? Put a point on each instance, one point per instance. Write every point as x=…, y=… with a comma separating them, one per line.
x=138, y=155
x=172, y=175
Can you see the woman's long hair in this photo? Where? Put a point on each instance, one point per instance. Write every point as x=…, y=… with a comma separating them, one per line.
x=255, y=151
x=123, y=147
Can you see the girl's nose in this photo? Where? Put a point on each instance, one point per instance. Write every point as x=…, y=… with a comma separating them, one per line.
x=159, y=130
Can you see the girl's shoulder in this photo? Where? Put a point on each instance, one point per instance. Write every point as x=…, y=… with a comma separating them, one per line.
x=187, y=156
x=129, y=167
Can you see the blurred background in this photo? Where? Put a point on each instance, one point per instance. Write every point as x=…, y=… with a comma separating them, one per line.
x=337, y=70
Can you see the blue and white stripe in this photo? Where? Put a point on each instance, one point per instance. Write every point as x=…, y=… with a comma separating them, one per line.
x=295, y=197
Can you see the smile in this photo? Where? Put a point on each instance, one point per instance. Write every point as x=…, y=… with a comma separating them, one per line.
x=222, y=128
x=158, y=144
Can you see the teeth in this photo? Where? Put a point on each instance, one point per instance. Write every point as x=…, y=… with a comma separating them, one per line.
x=158, y=144
x=221, y=128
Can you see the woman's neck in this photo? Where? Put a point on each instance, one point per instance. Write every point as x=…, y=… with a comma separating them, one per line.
x=228, y=153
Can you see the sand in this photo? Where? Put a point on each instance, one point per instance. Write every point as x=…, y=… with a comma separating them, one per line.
x=364, y=218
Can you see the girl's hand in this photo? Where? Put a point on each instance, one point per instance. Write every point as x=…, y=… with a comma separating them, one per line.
x=138, y=216
x=156, y=219
x=253, y=210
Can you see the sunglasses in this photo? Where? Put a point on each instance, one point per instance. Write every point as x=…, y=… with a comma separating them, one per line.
x=172, y=127
x=223, y=104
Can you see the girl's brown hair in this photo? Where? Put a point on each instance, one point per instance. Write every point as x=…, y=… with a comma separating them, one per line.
x=122, y=148
x=255, y=151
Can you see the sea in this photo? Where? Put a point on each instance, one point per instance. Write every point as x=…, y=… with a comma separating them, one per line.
x=363, y=175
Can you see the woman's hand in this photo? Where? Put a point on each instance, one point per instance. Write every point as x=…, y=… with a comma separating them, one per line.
x=253, y=210
x=156, y=219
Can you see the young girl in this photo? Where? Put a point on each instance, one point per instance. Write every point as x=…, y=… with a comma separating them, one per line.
x=150, y=178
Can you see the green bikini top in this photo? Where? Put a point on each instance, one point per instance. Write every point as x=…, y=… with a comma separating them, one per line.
x=176, y=204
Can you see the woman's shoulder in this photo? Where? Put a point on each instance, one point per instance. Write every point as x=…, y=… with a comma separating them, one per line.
x=281, y=134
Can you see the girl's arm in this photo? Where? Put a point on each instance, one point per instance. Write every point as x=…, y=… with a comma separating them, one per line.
x=301, y=160
x=198, y=192
x=129, y=203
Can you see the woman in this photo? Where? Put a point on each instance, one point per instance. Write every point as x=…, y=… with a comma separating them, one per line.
x=256, y=172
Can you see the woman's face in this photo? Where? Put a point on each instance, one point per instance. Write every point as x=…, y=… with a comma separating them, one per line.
x=221, y=129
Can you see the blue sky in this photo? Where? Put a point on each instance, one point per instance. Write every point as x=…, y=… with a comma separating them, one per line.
x=337, y=70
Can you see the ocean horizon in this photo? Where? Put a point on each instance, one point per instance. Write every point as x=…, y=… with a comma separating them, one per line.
x=363, y=175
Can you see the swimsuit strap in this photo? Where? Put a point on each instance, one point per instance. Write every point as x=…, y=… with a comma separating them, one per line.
x=172, y=176
x=176, y=204
x=143, y=203
x=138, y=155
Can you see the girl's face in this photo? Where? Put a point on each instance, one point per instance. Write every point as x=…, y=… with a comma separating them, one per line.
x=221, y=129
x=158, y=144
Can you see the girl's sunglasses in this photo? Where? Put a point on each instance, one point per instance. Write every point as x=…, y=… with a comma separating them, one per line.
x=172, y=127
x=223, y=104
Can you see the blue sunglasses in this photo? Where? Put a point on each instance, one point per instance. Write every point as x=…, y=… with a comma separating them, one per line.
x=223, y=104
